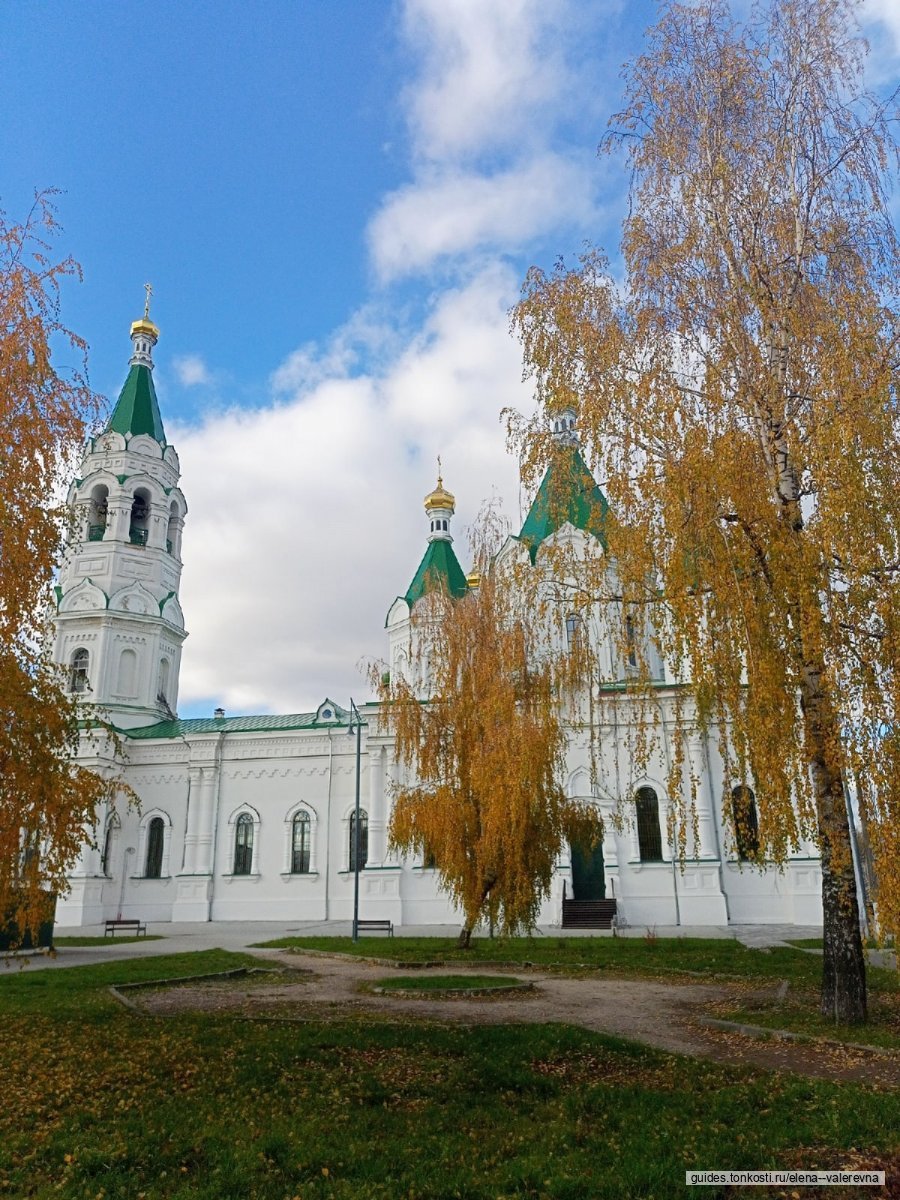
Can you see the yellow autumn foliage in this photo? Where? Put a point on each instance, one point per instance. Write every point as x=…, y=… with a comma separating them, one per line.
x=45, y=801
x=737, y=400
x=478, y=723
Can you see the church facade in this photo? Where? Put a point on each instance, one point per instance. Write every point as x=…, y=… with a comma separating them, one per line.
x=253, y=817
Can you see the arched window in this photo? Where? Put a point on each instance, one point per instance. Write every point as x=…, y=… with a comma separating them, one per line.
x=138, y=529
x=127, y=673
x=746, y=822
x=243, y=845
x=163, y=689
x=78, y=671
x=363, y=839
x=172, y=531
x=108, y=838
x=630, y=645
x=156, y=832
x=300, y=844
x=648, y=830
x=97, y=512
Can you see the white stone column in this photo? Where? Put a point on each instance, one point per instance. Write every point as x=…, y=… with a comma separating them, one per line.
x=193, y=821
x=376, y=807
x=393, y=774
x=118, y=518
x=157, y=525
x=205, y=821
x=705, y=800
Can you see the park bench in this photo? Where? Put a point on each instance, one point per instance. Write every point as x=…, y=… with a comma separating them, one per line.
x=380, y=926
x=132, y=926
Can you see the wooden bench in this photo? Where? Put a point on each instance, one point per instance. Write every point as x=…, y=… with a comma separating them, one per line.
x=131, y=926
x=382, y=926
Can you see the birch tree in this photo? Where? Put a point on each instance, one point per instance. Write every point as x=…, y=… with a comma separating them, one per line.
x=479, y=727
x=45, y=801
x=738, y=401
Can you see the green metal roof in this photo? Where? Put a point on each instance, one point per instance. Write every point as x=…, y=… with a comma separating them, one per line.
x=438, y=568
x=137, y=409
x=264, y=723
x=568, y=493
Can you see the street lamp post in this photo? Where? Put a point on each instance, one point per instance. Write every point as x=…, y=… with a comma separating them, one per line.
x=356, y=719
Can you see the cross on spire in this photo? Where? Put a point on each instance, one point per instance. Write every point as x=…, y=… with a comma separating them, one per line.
x=148, y=288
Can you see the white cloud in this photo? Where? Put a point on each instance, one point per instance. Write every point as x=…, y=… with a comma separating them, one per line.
x=888, y=13
x=455, y=213
x=306, y=518
x=191, y=370
x=488, y=72
x=493, y=84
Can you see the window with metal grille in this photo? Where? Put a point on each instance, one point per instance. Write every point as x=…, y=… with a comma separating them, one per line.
x=78, y=672
x=746, y=822
x=648, y=830
x=156, y=831
x=243, y=845
x=363, y=839
x=300, y=843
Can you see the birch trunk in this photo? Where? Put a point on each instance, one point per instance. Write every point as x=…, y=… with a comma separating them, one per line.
x=843, y=997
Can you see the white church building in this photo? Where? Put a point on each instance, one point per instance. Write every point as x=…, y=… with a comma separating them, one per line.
x=252, y=817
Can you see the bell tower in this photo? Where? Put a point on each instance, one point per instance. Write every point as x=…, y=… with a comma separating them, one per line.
x=119, y=624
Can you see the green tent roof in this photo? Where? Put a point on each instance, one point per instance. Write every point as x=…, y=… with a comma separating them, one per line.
x=568, y=493
x=439, y=567
x=137, y=409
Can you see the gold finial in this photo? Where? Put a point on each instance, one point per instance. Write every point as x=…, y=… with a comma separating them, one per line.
x=143, y=325
x=440, y=497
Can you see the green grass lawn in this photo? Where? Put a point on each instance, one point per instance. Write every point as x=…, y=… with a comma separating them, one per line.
x=632, y=956
x=799, y=1013
x=99, y=1102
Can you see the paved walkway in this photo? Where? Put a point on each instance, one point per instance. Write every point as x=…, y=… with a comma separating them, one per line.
x=240, y=936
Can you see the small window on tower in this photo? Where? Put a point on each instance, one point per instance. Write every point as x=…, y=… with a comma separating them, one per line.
x=78, y=672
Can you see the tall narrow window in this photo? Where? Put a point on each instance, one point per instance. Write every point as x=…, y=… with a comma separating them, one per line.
x=127, y=673
x=574, y=630
x=155, y=834
x=106, y=855
x=163, y=689
x=363, y=839
x=746, y=822
x=97, y=513
x=139, y=526
x=78, y=671
x=300, y=843
x=243, y=845
x=648, y=830
x=630, y=645
x=172, y=545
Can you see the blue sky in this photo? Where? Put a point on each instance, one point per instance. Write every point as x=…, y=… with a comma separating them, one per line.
x=336, y=203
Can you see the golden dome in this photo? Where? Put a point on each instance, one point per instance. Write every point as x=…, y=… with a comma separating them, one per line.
x=440, y=497
x=473, y=579
x=144, y=325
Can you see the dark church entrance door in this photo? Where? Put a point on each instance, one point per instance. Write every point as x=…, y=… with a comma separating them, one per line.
x=588, y=879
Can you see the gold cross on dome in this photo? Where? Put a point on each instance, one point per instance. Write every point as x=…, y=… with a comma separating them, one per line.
x=148, y=288
x=440, y=480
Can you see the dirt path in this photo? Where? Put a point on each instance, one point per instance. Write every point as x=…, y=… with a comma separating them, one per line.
x=667, y=1016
